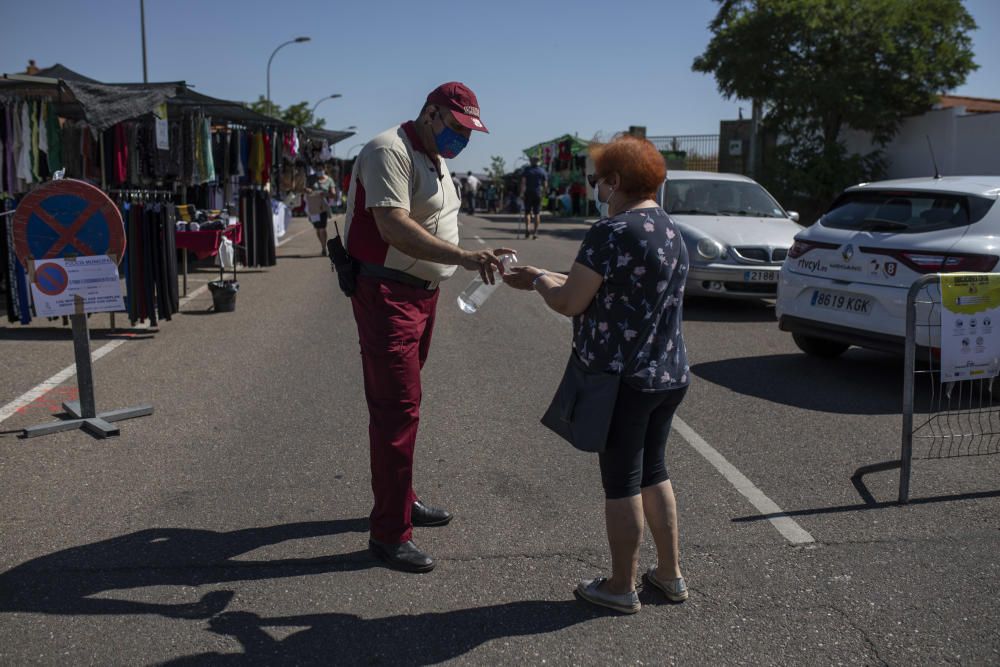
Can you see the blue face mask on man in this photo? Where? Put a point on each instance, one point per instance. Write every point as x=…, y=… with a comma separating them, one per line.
x=449, y=143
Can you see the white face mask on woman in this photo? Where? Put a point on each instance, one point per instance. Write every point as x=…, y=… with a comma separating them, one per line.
x=602, y=206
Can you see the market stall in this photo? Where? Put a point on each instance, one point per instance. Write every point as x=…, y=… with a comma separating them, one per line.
x=566, y=159
x=151, y=146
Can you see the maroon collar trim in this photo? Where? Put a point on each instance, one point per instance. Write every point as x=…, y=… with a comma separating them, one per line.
x=410, y=128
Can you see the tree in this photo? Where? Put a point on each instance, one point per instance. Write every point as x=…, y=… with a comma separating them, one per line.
x=820, y=66
x=497, y=170
x=299, y=115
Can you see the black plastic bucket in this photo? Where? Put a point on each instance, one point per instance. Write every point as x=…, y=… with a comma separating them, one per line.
x=224, y=295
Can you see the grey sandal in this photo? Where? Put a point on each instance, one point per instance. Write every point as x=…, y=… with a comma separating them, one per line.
x=589, y=590
x=675, y=589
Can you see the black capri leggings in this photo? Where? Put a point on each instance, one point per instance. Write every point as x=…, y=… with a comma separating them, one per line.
x=633, y=457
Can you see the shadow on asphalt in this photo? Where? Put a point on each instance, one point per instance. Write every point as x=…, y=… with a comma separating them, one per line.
x=873, y=505
x=859, y=383
x=702, y=309
x=79, y=581
x=419, y=639
x=75, y=581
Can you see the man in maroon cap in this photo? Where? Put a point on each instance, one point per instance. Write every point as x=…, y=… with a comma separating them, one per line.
x=402, y=229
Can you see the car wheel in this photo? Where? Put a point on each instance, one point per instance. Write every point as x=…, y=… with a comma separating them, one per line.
x=819, y=347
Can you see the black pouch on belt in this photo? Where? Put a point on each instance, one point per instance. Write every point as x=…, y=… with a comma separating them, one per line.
x=345, y=265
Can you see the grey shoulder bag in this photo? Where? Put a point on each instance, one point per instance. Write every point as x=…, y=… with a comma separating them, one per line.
x=584, y=403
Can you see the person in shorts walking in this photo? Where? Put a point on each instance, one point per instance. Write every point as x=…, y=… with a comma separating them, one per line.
x=534, y=181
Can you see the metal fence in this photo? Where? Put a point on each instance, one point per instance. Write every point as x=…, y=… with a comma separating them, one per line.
x=945, y=419
x=698, y=152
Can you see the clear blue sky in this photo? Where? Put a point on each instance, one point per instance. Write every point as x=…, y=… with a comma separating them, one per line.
x=540, y=68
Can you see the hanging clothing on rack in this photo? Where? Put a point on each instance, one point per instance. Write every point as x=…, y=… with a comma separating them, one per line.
x=22, y=131
x=150, y=262
x=258, y=247
x=54, y=153
x=208, y=173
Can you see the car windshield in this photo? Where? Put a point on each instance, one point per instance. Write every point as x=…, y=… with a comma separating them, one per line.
x=728, y=198
x=904, y=212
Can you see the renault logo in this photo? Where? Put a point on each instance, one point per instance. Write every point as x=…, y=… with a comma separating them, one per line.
x=847, y=252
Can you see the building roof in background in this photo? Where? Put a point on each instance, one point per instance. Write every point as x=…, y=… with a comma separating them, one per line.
x=58, y=71
x=971, y=104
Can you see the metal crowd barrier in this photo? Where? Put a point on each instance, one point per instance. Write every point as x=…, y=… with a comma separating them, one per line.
x=954, y=419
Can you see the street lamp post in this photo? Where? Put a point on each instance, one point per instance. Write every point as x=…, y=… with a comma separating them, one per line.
x=297, y=40
x=321, y=100
x=142, y=22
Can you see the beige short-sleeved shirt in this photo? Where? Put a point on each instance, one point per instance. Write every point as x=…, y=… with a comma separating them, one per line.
x=390, y=172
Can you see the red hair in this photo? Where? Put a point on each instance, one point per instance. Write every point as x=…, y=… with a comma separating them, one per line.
x=636, y=161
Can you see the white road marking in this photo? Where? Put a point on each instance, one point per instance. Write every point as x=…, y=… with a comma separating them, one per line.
x=33, y=394
x=296, y=234
x=785, y=525
x=478, y=238
x=48, y=385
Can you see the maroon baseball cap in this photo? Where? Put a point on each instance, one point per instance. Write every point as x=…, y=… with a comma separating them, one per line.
x=462, y=102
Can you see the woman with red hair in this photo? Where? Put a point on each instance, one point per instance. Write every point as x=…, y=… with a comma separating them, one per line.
x=625, y=294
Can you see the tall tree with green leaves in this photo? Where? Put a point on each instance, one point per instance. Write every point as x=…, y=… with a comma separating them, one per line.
x=299, y=115
x=819, y=67
x=497, y=169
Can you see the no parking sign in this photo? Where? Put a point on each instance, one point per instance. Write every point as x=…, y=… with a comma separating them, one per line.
x=70, y=237
x=67, y=218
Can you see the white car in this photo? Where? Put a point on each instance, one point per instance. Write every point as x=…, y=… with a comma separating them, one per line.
x=846, y=278
x=737, y=234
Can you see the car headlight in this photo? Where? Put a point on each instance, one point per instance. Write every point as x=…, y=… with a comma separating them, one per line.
x=709, y=249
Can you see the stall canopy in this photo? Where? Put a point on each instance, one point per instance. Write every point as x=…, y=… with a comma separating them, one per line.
x=578, y=146
x=104, y=104
x=332, y=136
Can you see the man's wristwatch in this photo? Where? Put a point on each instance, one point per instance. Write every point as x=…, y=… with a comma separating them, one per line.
x=534, y=283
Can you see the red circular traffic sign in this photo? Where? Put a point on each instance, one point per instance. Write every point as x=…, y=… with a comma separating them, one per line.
x=67, y=218
x=51, y=279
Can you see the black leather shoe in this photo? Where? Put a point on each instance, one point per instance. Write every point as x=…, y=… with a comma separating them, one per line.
x=406, y=556
x=422, y=515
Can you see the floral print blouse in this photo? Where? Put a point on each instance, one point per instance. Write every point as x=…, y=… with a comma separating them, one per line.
x=641, y=255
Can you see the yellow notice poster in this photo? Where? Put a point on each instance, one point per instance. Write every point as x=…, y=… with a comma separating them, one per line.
x=970, y=326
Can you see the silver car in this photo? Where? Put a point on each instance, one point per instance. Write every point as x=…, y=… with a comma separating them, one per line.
x=737, y=234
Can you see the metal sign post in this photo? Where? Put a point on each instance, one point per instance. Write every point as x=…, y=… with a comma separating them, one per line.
x=69, y=219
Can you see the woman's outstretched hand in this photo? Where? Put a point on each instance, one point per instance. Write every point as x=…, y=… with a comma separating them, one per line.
x=521, y=277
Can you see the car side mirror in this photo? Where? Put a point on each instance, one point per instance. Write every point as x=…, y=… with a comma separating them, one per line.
x=793, y=216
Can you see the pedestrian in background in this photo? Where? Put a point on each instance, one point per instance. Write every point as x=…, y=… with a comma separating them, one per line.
x=402, y=230
x=491, y=198
x=318, y=205
x=534, y=182
x=471, y=190
x=629, y=278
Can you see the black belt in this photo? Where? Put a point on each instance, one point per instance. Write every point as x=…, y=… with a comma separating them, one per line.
x=385, y=273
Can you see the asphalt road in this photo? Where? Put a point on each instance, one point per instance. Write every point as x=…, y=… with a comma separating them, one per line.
x=230, y=526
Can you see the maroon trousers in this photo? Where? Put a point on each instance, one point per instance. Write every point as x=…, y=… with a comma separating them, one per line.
x=395, y=323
